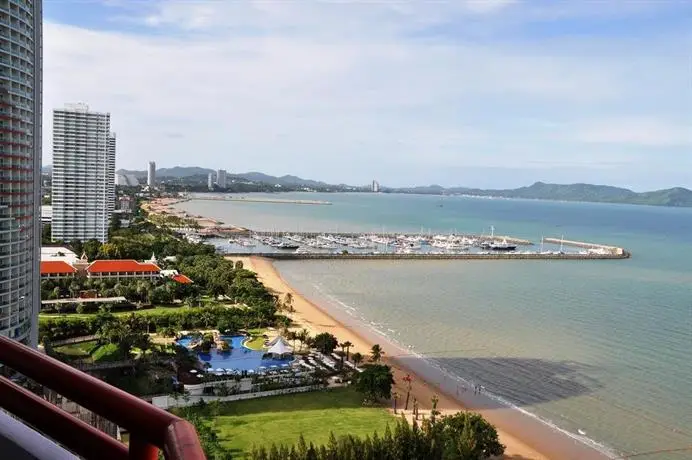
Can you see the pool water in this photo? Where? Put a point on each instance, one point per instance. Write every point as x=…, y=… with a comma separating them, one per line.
x=239, y=358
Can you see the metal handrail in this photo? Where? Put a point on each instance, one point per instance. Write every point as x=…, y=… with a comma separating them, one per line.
x=150, y=428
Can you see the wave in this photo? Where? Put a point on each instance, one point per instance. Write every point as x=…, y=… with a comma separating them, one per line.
x=386, y=333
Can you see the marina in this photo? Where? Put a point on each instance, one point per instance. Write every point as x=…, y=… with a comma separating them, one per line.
x=296, y=245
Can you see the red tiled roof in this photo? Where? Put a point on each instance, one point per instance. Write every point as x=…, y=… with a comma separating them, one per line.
x=56, y=267
x=182, y=279
x=122, y=266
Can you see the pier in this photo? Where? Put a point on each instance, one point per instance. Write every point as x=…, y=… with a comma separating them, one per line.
x=427, y=256
x=584, y=245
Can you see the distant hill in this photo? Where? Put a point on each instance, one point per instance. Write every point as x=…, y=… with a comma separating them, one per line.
x=679, y=197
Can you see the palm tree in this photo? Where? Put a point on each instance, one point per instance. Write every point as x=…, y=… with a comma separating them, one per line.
x=347, y=345
x=357, y=359
x=303, y=336
x=376, y=353
x=343, y=353
x=288, y=302
x=409, y=381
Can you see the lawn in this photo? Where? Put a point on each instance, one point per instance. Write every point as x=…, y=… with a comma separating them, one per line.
x=145, y=312
x=282, y=419
x=91, y=351
x=255, y=343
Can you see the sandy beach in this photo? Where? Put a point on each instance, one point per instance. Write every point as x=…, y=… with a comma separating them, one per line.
x=524, y=437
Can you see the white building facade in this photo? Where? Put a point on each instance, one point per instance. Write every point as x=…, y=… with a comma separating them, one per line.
x=83, y=174
x=221, y=178
x=20, y=168
x=210, y=181
x=151, y=174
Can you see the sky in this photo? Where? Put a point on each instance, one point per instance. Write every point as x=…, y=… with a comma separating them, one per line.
x=478, y=93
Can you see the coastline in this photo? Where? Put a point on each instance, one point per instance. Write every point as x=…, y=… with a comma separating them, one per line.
x=525, y=437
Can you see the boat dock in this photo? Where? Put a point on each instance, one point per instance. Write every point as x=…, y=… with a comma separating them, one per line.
x=390, y=235
x=429, y=256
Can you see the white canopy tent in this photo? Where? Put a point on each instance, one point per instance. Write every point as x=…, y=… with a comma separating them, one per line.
x=280, y=348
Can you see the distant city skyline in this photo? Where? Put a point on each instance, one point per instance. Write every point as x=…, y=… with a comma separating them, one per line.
x=493, y=94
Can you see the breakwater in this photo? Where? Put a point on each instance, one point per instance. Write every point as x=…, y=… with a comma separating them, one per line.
x=585, y=245
x=428, y=256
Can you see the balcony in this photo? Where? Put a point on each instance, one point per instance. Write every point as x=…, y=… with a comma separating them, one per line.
x=151, y=429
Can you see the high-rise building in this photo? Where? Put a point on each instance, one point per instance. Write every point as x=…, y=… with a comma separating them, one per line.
x=151, y=174
x=83, y=174
x=375, y=186
x=20, y=172
x=210, y=181
x=221, y=178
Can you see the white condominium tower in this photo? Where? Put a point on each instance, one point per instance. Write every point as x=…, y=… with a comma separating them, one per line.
x=83, y=174
x=20, y=168
x=221, y=178
x=151, y=174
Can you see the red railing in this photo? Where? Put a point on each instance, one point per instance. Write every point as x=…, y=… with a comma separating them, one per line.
x=150, y=428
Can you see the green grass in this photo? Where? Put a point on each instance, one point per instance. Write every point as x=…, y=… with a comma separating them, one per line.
x=78, y=350
x=106, y=353
x=282, y=419
x=91, y=351
x=255, y=343
x=144, y=312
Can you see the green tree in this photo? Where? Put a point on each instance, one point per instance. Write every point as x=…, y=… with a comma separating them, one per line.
x=375, y=382
x=357, y=358
x=325, y=342
x=376, y=353
x=347, y=345
x=288, y=302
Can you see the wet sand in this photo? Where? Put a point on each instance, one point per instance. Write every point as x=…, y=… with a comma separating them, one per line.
x=523, y=436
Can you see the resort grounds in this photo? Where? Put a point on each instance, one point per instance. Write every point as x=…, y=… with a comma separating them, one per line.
x=316, y=320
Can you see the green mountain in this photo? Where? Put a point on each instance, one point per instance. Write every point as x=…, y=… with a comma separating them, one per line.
x=678, y=197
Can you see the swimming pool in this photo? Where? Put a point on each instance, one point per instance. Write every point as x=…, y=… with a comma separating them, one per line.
x=239, y=358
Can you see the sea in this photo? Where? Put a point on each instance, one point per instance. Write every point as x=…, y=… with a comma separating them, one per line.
x=599, y=349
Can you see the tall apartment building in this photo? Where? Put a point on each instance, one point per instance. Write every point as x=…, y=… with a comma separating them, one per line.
x=83, y=174
x=221, y=178
x=20, y=168
x=375, y=186
x=210, y=181
x=151, y=174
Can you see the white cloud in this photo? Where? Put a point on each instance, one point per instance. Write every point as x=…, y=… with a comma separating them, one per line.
x=289, y=88
x=643, y=132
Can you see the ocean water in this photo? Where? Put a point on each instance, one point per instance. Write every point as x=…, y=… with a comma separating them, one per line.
x=604, y=347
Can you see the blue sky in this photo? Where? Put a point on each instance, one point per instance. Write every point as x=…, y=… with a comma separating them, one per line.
x=494, y=93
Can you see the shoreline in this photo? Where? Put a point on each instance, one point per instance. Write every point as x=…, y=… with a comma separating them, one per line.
x=524, y=436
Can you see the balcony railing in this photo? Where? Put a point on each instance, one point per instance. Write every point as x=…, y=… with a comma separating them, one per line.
x=150, y=428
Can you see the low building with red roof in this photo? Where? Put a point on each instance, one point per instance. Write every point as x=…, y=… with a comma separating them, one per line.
x=125, y=268
x=182, y=279
x=56, y=269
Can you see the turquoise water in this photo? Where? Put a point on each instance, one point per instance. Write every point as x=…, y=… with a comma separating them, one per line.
x=598, y=346
x=239, y=358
